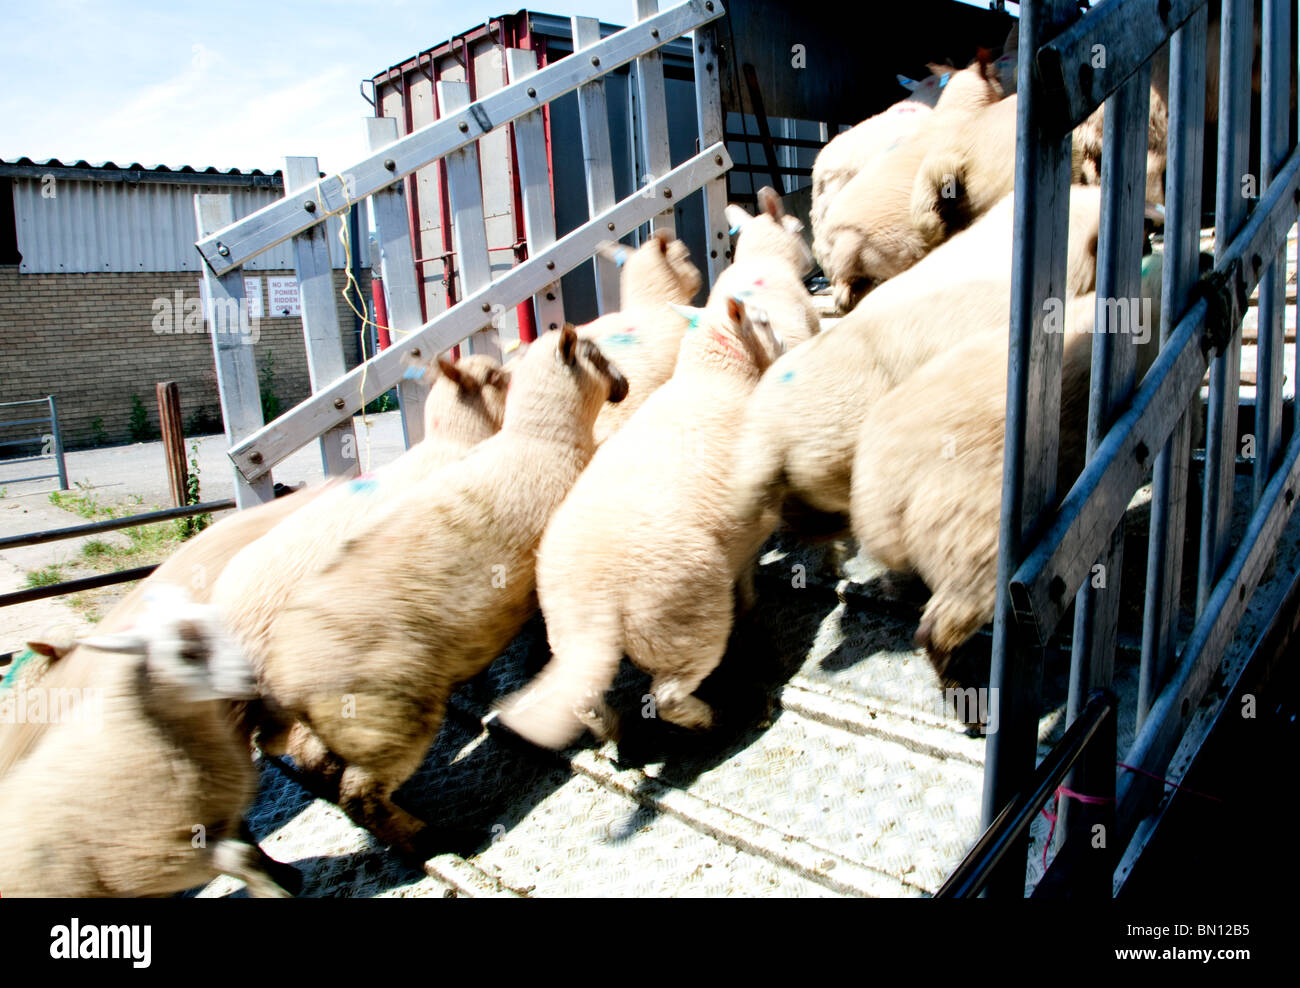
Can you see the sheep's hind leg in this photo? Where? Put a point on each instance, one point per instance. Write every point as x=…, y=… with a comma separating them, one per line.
x=243, y=861
x=286, y=876
x=367, y=799
x=675, y=703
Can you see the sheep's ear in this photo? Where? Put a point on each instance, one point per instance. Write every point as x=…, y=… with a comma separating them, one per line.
x=940, y=68
x=911, y=85
x=568, y=343
x=613, y=251
x=737, y=216
x=735, y=309
x=125, y=642
x=665, y=238
x=498, y=377
x=449, y=370
x=414, y=367
x=686, y=312
x=55, y=648
x=770, y=203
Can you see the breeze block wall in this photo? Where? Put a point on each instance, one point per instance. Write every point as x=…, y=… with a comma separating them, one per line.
x=91, y=341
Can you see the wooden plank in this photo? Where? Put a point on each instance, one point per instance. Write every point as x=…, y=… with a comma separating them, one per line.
x=401, y=288
x=1088, y=62
x=332, y=405
x=469, y=232
x=320, y=320
x=656, y=158
x=597, y=158
x=236, y=244
x=1059, y=563
x=1225, y=371
x=1114, y=368
x=535, y=184
x=1041, y=222
x=1172, y=470
x=708, y=113
x=232, y=348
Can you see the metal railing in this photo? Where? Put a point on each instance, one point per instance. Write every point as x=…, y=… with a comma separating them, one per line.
x=96, y=528
x=1048, y=552
x=51, y=442
x=226, y=244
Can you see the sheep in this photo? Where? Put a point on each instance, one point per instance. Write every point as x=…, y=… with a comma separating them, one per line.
x=465, y=406
x=642, y=556
x=867, y=235
x=800, y=425
x=857, y=149
x=1088, y=137
x=969, y=169
x=645, y=334
x=139, y=789
x=927, y=472
x=768, y=267
x=370, y=674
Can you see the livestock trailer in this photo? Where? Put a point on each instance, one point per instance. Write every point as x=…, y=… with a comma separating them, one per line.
x=501, y=159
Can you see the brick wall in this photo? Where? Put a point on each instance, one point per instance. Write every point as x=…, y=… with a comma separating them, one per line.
x=89, y=340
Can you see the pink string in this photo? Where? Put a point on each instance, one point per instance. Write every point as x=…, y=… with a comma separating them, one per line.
x=1099, y=800
x=1150, y=775
x=1056, y=799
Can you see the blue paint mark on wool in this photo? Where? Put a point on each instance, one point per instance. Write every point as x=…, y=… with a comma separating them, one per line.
x=618, y=339
x=787, y=376
x=363, y=485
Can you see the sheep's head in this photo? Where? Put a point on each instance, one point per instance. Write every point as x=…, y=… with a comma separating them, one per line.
x=186, y=651
x=856, y=263
x=560, y=372
x=975, y=86
x=733, y=328
x=470, y=392
x=772, y=233
x=658, y=271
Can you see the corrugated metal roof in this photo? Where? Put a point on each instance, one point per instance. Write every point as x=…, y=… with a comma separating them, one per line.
x=81, y=223
x=135, y=172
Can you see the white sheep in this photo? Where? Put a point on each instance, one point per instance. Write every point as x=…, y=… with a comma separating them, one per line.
x=370, y=673
x=140, y=787
x=642, y=556
x=646, y=332
x=927, y=472
x=800, y=426
x=768, y=268
x=867, y=235
x=465, y=405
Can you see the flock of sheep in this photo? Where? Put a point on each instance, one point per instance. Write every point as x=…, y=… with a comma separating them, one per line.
x=622, y=476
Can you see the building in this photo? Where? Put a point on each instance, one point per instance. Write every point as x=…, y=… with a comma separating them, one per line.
x=100, y=295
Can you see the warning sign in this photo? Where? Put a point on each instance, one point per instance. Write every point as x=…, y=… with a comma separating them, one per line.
x=284, y=299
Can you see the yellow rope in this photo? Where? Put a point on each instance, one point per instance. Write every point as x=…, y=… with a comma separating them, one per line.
x=345, y=238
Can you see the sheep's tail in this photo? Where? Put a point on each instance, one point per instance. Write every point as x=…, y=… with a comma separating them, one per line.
x=938, y=196
x=568, y=696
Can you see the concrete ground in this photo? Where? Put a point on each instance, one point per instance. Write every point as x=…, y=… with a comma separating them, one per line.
x=123, y=476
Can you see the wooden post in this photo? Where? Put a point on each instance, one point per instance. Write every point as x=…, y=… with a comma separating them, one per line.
x=173, y=440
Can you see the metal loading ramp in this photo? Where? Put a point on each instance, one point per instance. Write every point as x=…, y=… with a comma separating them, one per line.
x=841, y=772
x=843, y=767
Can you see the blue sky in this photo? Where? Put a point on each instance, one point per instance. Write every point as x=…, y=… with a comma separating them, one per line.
x=233, y=83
